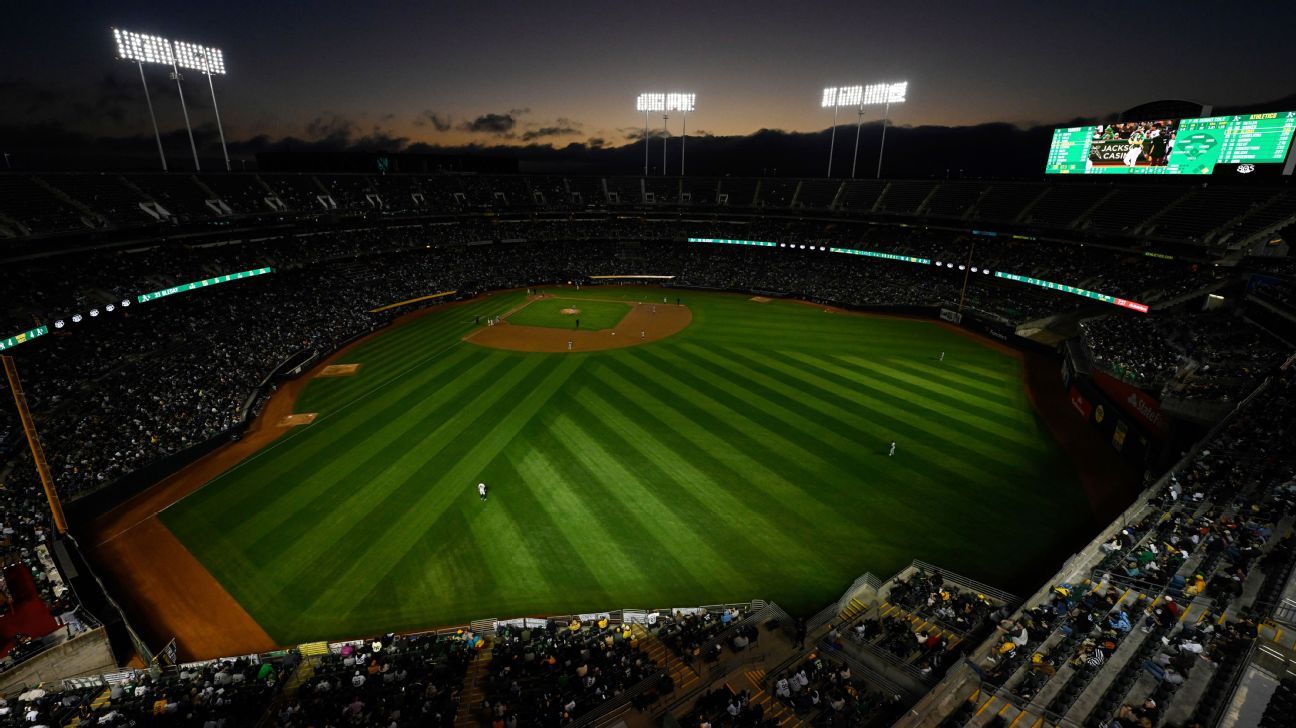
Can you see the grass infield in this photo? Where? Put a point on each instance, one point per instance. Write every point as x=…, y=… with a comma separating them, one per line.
x=550, y=313
x=745, y=457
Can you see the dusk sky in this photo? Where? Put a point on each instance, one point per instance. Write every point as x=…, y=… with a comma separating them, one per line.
x=490, y=72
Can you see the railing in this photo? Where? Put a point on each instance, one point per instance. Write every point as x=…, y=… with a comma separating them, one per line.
x=963, y=581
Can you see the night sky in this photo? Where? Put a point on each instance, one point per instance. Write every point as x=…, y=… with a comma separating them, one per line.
x=445, y=74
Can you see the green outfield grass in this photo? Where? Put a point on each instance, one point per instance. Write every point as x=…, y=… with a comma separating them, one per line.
x=745, y=457
x=548, y=312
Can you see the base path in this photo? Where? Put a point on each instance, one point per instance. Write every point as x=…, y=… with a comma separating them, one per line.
x=164, y=589
x=640, y=326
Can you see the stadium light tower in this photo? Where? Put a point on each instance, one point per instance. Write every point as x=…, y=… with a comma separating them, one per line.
x=143, y=49
x=209, y=61
x=683, y=103
x=837, y=97
x=648, y=103
x=881, y=93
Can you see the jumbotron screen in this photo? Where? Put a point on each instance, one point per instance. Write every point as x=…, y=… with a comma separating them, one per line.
x=1224, y=144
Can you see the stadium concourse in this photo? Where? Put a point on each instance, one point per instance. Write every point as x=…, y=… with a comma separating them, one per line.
x=1159, y=620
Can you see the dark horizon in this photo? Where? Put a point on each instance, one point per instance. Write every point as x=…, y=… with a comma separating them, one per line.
x=556, y=88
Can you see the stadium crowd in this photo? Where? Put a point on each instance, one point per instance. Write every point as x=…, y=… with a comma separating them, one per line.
x=127, y=387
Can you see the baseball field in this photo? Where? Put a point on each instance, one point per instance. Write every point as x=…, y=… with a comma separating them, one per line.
x=745, y=456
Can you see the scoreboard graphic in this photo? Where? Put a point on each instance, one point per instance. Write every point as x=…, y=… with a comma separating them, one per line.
x=1243, y=144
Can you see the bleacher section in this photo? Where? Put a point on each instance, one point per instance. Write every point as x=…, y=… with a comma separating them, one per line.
x=1158, y=617
x=1221, y=220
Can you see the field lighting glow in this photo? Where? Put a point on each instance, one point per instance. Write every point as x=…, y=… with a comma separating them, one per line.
x=141, y=47
x=877, y=94
x=197, y=57
x=651, y=102
x=680, y=102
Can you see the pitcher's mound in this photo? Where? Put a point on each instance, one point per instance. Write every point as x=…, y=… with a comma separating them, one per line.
x=339, y=370
x=569, y=311
x=642, y=325
x=296, y=420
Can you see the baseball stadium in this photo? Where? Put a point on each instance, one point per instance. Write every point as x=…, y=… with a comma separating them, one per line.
x=394, y=438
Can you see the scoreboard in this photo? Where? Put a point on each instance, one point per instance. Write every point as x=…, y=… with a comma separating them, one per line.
x=1240, y=144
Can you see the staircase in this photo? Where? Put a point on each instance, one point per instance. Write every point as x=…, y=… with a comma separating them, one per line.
x=472, y=694
x=680, y=672
x=774, y=709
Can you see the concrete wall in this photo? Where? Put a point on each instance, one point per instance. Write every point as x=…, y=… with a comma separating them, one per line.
x=86, y=654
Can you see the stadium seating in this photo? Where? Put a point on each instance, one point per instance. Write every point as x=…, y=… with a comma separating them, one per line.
x=1211, y=539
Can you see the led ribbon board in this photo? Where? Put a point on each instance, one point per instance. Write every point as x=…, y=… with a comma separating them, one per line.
x=23, y=338
x=1123, y=303
x=887, y=256
x=146, y=297
x=726, y=241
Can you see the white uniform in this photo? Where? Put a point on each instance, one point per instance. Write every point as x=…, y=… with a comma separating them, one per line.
x=942, y=356
x=892, y=450
x=481, y=490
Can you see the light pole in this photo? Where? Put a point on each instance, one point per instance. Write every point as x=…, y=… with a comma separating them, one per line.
x=210, y=61
x=648, y=103
x=175, y=73
x=887, y=94
x=683, y=103
x=665, y=136
x=837, y=97
x=141, y=49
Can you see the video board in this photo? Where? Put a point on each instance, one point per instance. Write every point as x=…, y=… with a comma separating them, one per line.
x=1242, y=144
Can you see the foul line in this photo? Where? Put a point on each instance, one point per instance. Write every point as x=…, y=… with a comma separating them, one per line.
x=299, y=430
x=412, y=300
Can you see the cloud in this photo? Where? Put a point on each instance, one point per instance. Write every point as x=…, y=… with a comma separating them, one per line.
x=438, y=121
x=560, y=127
x=492, y=123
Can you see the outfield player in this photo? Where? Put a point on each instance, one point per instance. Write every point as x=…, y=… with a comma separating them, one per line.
x=481, y=490
x=892, y=449
x=942, y=357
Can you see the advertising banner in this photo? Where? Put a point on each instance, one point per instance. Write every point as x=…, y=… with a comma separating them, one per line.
x=1143, y=407
x=1081, y=404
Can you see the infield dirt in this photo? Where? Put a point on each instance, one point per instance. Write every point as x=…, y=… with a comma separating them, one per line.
x=645, y=323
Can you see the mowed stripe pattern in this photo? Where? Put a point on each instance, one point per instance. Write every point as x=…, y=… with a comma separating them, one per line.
x=744, y=457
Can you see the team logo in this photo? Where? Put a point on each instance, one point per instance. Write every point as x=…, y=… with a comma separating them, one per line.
x=1245, y=168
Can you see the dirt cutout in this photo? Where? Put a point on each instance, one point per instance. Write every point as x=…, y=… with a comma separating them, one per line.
x=645, y=323
x=339, y=370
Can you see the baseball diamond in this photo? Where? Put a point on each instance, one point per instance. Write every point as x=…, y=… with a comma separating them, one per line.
x=687, y=470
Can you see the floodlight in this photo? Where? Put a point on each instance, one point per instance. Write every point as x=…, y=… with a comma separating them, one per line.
x=58, y=324
x=651, y=102
x=680, y=102
x=109, y=308
x=125, y=302
x=197, y=57
x=877, y=94
x=94, y=312
x=142, y=48
x=76, y=318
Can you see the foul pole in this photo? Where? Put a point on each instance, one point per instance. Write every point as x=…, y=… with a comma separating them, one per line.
x=33, y=440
